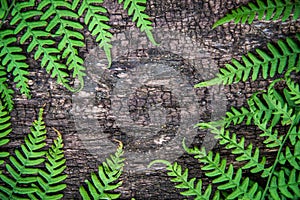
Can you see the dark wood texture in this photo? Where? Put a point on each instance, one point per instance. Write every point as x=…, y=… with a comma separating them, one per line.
x=192, y=21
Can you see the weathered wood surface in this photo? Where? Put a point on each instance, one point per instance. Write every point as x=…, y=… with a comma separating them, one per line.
x=188, y=46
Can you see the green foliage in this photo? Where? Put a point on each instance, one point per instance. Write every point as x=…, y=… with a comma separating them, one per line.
x=106, y=178
x=52, y=32
x=6, y=94
x=23, y=177
x=283, y=57
x=96, y=22
x=270, y=10
x=181, y=178
x=270, y=111
x=5, y=129
x=67, y=29
x=22, y=168
x=136, y=8
x=49, y=181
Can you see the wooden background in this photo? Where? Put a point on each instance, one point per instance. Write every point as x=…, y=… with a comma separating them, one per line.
x=192, y=21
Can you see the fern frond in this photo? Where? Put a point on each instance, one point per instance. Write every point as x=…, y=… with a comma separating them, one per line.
x=246, y=153
x=284, y=57
x=22, y=168
x=108, y=173
x=286, y=184
x=181, y=179
x=237, y=116
x=96, y=22
x=62, y=13
x=270, y=10
x=226, y=178
x=294, y=134
x=5, y=129
x=6, y=94
x=293, y=158
x=264, y=114
x=280, y=104
x=49, y=181
x=136, y=8
x=28, y=21
x=14, y=61
x=293, y=88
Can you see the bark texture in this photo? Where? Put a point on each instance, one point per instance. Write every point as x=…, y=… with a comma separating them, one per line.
x=190, y=49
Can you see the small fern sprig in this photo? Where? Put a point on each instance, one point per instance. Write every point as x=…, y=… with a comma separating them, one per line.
x=108, y=173
x=136, y=9
x=96, y=22
x=22, y=169
x=11, y=57
x=293, y=87
x=49, y=181
x=181, y=179
x=284, y=57
x=5, y=129
x=6, y=94
x=270, y=10
x=62, y=13
x=224, y=176
x=238, y=147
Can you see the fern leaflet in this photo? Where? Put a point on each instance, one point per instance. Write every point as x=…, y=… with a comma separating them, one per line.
x=285, y=185
x=68, y=29
x=270, y=10
x=39, y=39
x=96, y=23
x=6, y=93
x=292, y=158
x=175, y=171
x=12, y=58
x=49, y=181
x=287, y=56
x=5, y=129
x=104, y=182
x=3, y=10
x=136, y=8
x=22, y=167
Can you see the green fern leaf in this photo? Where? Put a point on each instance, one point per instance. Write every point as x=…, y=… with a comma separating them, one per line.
x=285, y=57
x=136, y=8
x=96, y=22
x=5, y=129
x=61, y=11
x=14, y=61
x=285, y=185
x=22, y=168
x=49, y=181
x=293, y=89
x=270, y=10
x=246, y=153
x=181, y=178
x=236, y=116
x=103, y=183
x=6, y=93
x=215, y=168
x=292, y=158
x=26, y=19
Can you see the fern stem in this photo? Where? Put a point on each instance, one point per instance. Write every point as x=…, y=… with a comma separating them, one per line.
x=277, y=160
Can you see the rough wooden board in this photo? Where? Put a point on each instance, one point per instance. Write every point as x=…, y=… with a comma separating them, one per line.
x=193, y=19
